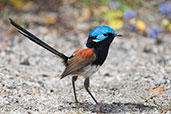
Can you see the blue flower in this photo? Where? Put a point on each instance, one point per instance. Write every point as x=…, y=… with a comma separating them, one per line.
x=165, y=8
x=154, y=32
x=129, y=14
x=132, y=27
x=114, y=4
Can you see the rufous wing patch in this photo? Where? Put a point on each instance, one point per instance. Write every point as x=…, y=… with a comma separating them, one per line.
x=85, y=53
x=80, y=59
x=77, y=50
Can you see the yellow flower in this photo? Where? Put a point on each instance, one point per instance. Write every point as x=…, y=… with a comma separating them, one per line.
x=140, y=25
x=165, y=22
x=169, y=27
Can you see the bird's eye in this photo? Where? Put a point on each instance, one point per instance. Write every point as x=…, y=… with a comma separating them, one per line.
x=105, y=34
x=93, y=37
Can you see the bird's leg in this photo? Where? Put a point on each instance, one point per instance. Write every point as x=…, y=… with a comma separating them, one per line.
x=74, y=78
x=86, y=85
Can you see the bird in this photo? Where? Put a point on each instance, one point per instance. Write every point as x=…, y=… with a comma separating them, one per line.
x=86, y=60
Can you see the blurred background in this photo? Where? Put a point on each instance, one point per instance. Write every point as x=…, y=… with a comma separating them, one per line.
x=150, y=18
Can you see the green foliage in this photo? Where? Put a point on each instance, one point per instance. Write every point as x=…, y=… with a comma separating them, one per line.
x=131, y=3
x=112, y=14
x=124, y=7
x=103, y=2
x=125, y=4
x=5, y=1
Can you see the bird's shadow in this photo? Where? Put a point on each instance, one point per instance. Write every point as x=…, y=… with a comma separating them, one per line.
x=109, y=108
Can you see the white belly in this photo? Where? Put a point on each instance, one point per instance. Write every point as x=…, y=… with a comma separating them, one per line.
x=89, y=70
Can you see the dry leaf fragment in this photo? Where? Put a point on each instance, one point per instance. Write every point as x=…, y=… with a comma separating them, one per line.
x=156, y=90
x=33, y=92
x=17, y=4
x=50, y=20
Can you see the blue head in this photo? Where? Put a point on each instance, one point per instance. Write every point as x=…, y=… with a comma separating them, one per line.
x=100, y=34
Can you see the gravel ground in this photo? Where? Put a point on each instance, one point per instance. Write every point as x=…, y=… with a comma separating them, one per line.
x=30, y=77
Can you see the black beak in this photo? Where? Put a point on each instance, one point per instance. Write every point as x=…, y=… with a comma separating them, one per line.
x=118, y=35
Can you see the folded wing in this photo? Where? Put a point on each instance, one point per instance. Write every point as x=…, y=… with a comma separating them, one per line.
x=81, y=58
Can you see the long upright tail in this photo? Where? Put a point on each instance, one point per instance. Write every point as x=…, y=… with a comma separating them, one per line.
x=35, y=39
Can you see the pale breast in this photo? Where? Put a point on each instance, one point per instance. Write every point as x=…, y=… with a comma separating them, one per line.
x=88, y=71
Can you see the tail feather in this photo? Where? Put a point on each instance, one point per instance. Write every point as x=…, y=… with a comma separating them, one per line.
x=35, y=39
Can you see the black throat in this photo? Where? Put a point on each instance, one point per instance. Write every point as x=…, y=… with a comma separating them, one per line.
x=100, y=49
